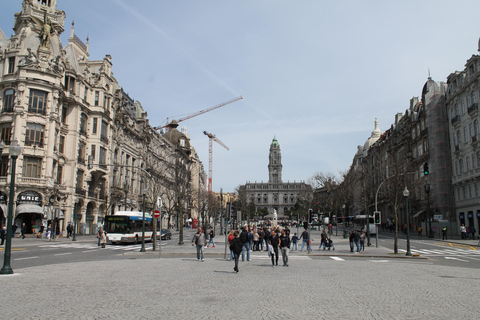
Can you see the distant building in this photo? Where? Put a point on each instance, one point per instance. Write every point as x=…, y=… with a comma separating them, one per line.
x=276, y=194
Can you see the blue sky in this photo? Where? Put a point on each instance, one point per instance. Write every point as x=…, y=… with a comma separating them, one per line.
x=315, y=74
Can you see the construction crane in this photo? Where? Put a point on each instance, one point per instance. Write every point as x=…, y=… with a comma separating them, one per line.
x=200, y=112
x=212, y=138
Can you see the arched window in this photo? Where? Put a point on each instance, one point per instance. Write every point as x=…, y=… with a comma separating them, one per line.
x=9, y=100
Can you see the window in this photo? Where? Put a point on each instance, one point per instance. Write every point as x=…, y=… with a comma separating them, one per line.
x=463, y=105
x=6, y=133
x=37, y=102
x=455, y=140
x=475, y=127
x=81, y=153
x=3, y=166
x=470, y=191
x=94, y=128
x=423, y=124
x=467, y=162
x=419, y=149
x=59, y=174
x=460, y=165
x=8, y=100
x=34, y=135
x=83, y=124
x=470, y=128
x=459, y=136
x=85, y=91
x=70, y=84
x=474, y=98
x=473, y=161
x=464, y=192
x=97, y=97
x=92, y=151
x=61, y=144
x=465, y=134
x=11, y=65
x=79, y=185
x=32, y=167
x=103, y=132
x=413, y=133
x=425, y=146
x=64, y=115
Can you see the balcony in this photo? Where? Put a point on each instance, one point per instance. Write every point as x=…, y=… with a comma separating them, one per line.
x=455, y=120
x=472, y=109
x=80, y=191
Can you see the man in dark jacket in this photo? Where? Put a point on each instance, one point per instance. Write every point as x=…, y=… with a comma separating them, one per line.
x=236, y=246
x=245, y=243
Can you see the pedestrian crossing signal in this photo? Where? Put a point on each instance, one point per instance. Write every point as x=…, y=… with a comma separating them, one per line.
x=376, y=217
x=425, y=168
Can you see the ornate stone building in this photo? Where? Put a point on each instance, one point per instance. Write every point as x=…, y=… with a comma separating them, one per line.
x=276, y=194
x=87, y=147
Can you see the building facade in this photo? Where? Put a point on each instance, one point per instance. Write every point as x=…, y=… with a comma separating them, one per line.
x=276, y=195
x=88, y=149
x=462, y=106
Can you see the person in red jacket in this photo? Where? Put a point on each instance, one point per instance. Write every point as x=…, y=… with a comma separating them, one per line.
x=231, y=235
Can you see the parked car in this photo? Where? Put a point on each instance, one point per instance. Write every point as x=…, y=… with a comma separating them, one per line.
x=166, y=234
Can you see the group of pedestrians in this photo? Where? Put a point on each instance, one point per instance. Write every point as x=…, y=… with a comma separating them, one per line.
x=357, y=239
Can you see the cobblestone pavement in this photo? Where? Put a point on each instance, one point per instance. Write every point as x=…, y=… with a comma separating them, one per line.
x=180, y=287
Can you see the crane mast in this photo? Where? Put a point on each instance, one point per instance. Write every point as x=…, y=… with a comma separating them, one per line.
x=212, y=138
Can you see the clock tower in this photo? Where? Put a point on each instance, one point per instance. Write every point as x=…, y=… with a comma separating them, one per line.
x=275, y=163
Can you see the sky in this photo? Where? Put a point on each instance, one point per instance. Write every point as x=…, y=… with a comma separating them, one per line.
x=313, y=74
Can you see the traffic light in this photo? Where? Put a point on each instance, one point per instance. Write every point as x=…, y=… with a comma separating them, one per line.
x=425, y=168
x=376, y=217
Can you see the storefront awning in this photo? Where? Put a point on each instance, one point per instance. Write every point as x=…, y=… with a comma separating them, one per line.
x=28, y=208
x=418, y=213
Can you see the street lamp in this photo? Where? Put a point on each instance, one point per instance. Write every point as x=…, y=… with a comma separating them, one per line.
x=144, y=193
x=427, y=191
x=14, y=149
x=405, y=194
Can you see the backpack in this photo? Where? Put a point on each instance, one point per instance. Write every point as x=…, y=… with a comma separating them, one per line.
x=243, y=236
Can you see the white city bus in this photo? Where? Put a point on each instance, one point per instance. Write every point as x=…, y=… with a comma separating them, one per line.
x=126, y=227
x=359, y=220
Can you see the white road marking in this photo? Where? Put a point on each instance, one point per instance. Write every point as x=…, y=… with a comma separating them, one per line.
x=26, y=258
x=337, y=259
x=451, y=258
x=62, y=254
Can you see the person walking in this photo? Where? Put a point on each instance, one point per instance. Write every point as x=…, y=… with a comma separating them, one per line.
x=255, y=240
x=472, y=232
x=212, y=235
x=245, y=243
x=294, y=242
x=362, y=242
x=236, y=247
x=356, y=240
x=14, y=229
x=103, y=238
x=306, y=240
x=3, y=235
x=284, y=247
x=266, y=237
x=69, y=230
x=463, y=232
x=274, y=243
x=199, y=240
x=350, y=239
x=231, y=236
x=444, y=233
x=23, y=230
x=261, y=234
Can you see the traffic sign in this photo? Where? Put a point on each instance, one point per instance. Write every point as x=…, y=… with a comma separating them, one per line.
x=156, y=213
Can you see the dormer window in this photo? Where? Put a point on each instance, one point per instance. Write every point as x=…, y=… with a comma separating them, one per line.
x=182, y=142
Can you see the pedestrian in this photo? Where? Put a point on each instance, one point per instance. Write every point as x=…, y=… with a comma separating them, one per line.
x=306, y=240
x=250, y=238
x=323, y=240
x=362, y=242
x=40, y=232
x=273, y=251
x=14, y=229
x=212, y=236
x=419, y=230
x=199, y=240
x=103, y=238
x=294, y=242
x=57, y=230
x=356, y=239
x=444, y=233
x=23, y=230
x=245, y=243
x=69, y=230
x=236, y=247
x=284, y=247
x=472, y=232
x=266, y=237
x=350, y=239
x=231, y=236
x=3, y=235
x=99, y=236
x=255, y=240
x=261, y=234
x=463, y=232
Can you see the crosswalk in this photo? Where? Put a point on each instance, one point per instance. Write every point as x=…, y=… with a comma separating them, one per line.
x=447, y=252
x=91, y=247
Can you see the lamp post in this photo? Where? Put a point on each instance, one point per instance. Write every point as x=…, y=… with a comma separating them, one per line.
x=144, y=193
x=427, y=191
x=405, y=194
x=14, y=150
x=74, y=238
x=125, y=189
